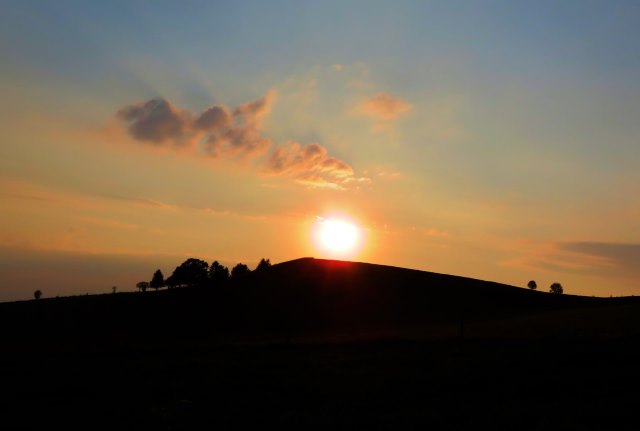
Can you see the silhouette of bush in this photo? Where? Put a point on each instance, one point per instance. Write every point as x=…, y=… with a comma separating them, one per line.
x=556, y=288
x=532, y=285
x=37, y=294
x=240, y=270
x=142, y=286
x=218, y=274
x=157, y=281
x=263, y=265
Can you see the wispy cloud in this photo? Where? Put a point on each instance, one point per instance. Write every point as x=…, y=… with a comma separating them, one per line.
x=596, y=258
x=620, y=258
x=309, y=165
x=108, y=223
x=153, y=203
x=383, y=107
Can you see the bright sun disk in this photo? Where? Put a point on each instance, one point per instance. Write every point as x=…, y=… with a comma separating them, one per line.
x=337, y=236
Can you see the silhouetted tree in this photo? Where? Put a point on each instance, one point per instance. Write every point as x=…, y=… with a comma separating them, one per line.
x=157, y=281
x=239, y=270
x=263, y=265
x=218, y=274
x=170, y=282
x=532, y=285
x=556, y=288
x=37, y=294
x=142, y=285
x=114, y=289
x=192, y=272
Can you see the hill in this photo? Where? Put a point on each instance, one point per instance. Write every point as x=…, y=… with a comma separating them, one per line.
x=313, y=299
x=319, y=344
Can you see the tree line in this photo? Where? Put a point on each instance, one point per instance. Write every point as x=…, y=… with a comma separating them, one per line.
x=198, y=273
x=554, y=288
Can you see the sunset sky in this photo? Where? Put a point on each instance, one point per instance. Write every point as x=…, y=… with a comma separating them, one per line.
x=498, y=140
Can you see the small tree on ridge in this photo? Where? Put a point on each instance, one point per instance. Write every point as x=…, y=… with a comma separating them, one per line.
x=157, y=281
x=263, y=265
x=142, y=285
x=556, y=288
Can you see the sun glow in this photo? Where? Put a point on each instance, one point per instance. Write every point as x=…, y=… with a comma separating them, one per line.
x=337, y=237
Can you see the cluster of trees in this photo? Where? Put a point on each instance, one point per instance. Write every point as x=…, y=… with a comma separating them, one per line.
x=198, y=273
x=554, y=288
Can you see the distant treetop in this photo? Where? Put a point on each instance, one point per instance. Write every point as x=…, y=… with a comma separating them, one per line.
x=192, y=272
x=556, y=288
x=157, y=281
x=142, y=285
x=198, y=273
x=218, y=274
x=532, y=285
x=239, y=270
x=263, y=265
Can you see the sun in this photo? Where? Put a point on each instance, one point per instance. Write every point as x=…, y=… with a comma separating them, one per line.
x=337, y=237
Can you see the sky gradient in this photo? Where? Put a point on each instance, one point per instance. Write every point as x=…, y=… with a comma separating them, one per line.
x=496, y=140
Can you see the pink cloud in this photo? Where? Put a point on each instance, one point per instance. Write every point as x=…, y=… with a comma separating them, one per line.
x=383, y=107
x=310, y=165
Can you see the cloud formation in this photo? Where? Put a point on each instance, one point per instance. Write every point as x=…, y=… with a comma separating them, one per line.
x=156, y=121
x=309, y=165
x=214, y=118
x=221, y=132
x=383, y=107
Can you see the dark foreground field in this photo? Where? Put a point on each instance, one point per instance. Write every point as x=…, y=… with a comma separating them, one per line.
x=533, y=385
x=316, y=344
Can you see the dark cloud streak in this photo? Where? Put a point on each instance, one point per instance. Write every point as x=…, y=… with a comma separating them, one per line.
x=623, y=258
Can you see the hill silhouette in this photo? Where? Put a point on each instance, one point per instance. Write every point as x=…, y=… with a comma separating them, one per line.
x=319, y=344
x=307, y=299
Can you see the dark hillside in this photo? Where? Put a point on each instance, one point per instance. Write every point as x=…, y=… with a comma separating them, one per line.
x=317, y=344
x=299, y=299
